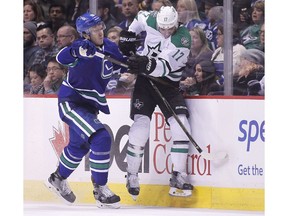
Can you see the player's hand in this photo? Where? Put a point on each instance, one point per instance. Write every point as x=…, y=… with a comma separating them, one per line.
x=83, y=49
x=141, y=64
x=128, y=42
x=254, y=87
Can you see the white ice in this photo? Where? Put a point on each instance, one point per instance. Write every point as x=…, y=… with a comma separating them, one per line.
x=59, y=209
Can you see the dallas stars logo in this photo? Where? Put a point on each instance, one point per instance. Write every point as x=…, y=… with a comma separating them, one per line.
x=154, y=50
x=138, y=104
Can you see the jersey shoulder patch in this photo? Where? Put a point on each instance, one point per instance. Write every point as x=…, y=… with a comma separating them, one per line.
x=182, y=38
x=151, y=21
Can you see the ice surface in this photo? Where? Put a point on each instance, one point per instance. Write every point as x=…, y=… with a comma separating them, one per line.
x=59, y=209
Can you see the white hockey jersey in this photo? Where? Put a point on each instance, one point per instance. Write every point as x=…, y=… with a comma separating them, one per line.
x=171, y=54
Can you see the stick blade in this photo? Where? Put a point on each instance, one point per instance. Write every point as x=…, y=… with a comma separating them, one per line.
x=218, y=156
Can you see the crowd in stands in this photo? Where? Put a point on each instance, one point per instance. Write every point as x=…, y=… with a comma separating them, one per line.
x=49, y=25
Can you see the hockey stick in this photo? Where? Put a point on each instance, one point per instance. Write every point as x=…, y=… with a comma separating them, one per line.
x=206, y=155
x=209, y=156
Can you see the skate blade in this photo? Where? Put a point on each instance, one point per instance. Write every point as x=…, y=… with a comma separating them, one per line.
x=179, y=193
x=107, y=206
x=134, y=197
x=56, y=193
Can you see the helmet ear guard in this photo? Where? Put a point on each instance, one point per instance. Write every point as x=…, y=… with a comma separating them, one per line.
x=167, y=17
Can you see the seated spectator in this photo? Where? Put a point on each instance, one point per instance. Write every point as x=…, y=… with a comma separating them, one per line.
x=104, y=11
x=218, y=55
x=157, y=4
x=37, y=74
x=214, y=18
x=125, y=84
x=130, y=8
x=32, y=12
x=56, y=73
x=252, y=68
x=250, y=36
x=256, y=87
x=46, y=40
x=31, y=49
x=204, y=80
x=75, y=9
x=188, y=14
x=57, y=17
x=242, y=14
x=199, y=50
x=66, y=35
x=113, y=34
x=262, y=37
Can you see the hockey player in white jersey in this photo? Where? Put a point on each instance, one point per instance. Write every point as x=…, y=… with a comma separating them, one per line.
x=163, y=58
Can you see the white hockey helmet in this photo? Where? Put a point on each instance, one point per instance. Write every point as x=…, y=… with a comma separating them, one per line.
x=167, y=17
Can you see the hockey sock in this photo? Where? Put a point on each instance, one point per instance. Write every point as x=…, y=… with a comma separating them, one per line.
x=100, y=156
x=180, y=147
x=138, y=136
x=68, y=162
x=179, y=151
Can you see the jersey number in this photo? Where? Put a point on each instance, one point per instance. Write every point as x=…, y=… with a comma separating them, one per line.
x=178, y=55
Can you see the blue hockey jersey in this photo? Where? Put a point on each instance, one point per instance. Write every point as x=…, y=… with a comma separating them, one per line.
x=87, y=78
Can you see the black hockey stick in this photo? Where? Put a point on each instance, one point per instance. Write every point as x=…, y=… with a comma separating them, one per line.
x=206, y=155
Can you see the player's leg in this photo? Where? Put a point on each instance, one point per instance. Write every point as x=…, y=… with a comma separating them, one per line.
x=100, y=144
x=69, y=160
x=142, y=107
x=179, y=181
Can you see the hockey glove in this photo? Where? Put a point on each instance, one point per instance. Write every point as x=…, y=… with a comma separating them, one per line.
x=83, y=49
x=128, y=42
x=141, y=64
x=254, y=87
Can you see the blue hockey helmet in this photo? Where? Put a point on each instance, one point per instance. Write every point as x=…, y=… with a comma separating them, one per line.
x=86, y=21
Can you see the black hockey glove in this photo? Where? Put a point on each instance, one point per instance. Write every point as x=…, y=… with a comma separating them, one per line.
x=141, y=64
x=254, y=87
x=83, y=49
x=128, y=42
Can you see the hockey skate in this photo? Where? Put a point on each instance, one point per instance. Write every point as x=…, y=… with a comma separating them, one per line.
x=179, y=186
x=60, y=187
x=132, y=185
x=104, y=197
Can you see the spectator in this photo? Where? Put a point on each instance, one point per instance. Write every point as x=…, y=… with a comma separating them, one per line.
x=46, y=40
x=37, y=74
x=188, y=14
x=32, y=12
x=262, y=37
x=242, y=14
x=205, y=79
x=56, y=73
x=104, y=11
x=66, y=35
x=57, y=16
x=113, y=34
x=31, y=50
x=130, y=9
x=214, y=18
x=75, y=9
x=157, y=4
x=252, y=68
x=251, y=35
x=208, y=4
x=125, y=84
x=199, y=50
x=218, y=55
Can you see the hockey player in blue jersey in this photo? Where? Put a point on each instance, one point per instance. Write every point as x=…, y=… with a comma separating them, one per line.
x=81, y=97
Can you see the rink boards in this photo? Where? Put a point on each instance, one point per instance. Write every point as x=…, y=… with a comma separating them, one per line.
x=233, y=125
